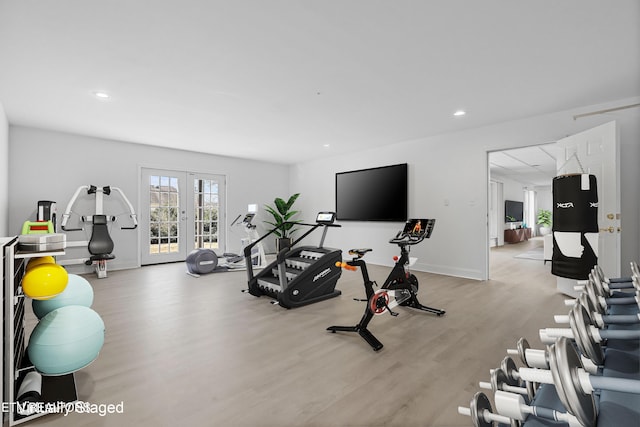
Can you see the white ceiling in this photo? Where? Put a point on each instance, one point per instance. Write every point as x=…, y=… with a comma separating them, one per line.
x=530, y=166
x=277, y=80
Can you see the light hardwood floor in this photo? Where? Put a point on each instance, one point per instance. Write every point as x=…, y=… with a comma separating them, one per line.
x=192, y=351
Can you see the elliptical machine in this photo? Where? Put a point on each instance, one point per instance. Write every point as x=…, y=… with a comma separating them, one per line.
x=399, y=288
x=205, y=261
x=258, y=257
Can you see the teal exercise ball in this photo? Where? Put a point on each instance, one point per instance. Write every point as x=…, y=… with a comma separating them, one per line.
x=77, y=292
x=66, y=340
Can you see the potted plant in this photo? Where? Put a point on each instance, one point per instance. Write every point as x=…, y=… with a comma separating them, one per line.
x=282, y=213
x=544, y=220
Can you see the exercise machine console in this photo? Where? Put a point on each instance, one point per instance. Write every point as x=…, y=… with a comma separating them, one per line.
x=399, y=288
x=300, y=275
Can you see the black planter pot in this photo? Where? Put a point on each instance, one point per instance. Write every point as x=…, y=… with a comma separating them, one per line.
x=282, y=242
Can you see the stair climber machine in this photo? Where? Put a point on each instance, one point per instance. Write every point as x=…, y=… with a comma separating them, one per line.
x=299, y=275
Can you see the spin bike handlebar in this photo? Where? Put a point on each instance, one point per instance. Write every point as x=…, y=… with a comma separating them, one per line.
x=406, y=239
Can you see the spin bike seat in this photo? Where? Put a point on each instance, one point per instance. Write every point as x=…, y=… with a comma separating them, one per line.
x=359, y=252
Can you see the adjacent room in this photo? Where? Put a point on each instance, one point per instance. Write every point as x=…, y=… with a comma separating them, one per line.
x=298, y=213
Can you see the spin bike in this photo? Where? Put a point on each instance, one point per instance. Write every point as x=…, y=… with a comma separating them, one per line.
x=400, y=287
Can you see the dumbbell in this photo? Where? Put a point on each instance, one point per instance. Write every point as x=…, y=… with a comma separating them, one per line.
x=511, y=378
x=500, y=381
x=480, y=412
x=514, y=406
x=531, y=358
x=588, y=338
x=599, y=319
x=629, y=303
x=604, y=298
x=626, y=305
x=609, y=286
x=574, y=385
x=534, y=358
x=511, y=410
x=599, y=273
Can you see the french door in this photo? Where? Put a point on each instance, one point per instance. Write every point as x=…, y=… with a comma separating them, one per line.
x=180, y=212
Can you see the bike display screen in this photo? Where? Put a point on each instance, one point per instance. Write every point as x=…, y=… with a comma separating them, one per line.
x=326, y=217
x=418, y=227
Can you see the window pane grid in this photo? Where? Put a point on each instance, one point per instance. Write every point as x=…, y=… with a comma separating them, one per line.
x=206, y=205
x=164, y=209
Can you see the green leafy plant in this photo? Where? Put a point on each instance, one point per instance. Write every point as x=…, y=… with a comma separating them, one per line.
x=282, y=213
x=544, y=218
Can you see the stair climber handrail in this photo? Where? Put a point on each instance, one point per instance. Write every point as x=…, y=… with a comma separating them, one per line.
x=281, y=256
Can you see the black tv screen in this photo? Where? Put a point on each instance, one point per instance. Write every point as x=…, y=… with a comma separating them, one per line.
x=377, y=194
x=513, y=211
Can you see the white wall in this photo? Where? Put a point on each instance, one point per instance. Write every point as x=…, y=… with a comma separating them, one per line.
x=448, y=181
x=544, y=200
x=48, y=165
x=451, y=167
x=4, y=173
x=514, y=190
x=511, y=190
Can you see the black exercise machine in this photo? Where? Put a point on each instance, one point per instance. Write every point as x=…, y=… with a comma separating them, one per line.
x=400, y=287
x=299, y=275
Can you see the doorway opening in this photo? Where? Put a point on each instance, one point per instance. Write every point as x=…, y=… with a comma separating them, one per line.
x=519, y=187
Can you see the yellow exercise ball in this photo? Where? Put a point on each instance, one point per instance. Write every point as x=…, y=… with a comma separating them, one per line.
x=45, y=281
x=34, y=262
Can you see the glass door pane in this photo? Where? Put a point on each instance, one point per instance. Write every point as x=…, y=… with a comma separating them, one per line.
x=180, y=212
x=208, y=212
x=163, y=216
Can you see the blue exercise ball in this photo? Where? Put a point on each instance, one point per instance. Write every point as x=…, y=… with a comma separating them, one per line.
x=66, y=340
x=77, y=292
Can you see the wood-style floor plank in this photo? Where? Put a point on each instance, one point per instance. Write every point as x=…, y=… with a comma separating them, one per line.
x=192, y=351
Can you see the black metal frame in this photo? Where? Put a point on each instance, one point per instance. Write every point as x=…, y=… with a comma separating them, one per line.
x=311, y=292
x=399, y=279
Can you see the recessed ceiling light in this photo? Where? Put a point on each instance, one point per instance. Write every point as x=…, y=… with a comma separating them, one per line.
x=326, y=145
x=101, y=94
x=460, y=113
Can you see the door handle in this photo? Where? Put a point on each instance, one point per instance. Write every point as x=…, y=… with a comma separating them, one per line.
x=610, y=229
x=610, y=216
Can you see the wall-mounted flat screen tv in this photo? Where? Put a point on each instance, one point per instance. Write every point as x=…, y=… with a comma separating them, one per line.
x=376, y=194
x=513, y=211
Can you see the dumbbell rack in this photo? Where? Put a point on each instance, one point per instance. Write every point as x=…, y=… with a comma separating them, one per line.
x=614, y=408
x=16, y=362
